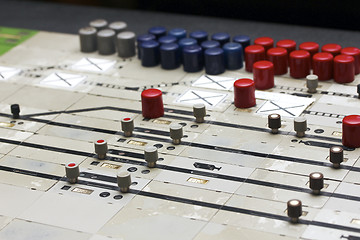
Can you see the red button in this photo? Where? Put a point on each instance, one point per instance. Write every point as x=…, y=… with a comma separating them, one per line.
x=279, y=57
x=266, y=42
x=311, y=47
x=323, y=65
x=264, y=74
x=344, y=69
x=332, y=48
x=253, y=53
x=299, y=64
x=355, y=53
x=244, y=93
x=351, y=131
x=152, y=103
x=288, y=44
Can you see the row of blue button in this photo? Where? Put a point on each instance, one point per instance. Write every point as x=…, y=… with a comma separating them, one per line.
x=194, y=52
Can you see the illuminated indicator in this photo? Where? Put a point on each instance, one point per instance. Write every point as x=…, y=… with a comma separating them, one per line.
x=82, y=190
x=111, y=166
x=336, y=133
x=100, y=141
x=355, y=221
x=4, y=124
x=158, y=121
x=248, y=110
x=127, y=119
x=71, y=164
x=137, y=143
x=197, y=180
x=337, y=149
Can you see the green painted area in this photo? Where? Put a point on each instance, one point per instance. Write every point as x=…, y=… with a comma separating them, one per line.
x=11, y=37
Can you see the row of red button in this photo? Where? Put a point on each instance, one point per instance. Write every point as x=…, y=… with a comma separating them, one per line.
x=333, y=62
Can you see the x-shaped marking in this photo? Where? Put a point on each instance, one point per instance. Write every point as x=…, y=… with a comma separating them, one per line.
x=216, y=82
x=282, y=108
x=200, y=97
x=1, y=73
x=91, y=63
x=62, y=79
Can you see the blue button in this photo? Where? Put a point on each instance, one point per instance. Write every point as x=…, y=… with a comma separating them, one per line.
x=222, y=38
x=167, y=39
x=192, y=58
x=143, y=38
x=150, y=54
x=179, y=33
x=233, y=55
x=170, y=55
x=214, y=61
x=200, y=36
x=244, y=40
x=187, y=42
x=157, y=31
x=210, y=44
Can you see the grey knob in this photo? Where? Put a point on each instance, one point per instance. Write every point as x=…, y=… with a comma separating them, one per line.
x=125, y=42
x=87, y=37
x=274, y=122
x=336, y=156
x=312, y=83
x=316, y=181
x=99, y=24
x=199, y=111
x=124, y=181
x=176, y=133
x=106, y=41
x=151, y=156
x=101, y=148
x=118, y=26
x=127, y=126
x=294, y=210
x=300, y=126
x=72, y=172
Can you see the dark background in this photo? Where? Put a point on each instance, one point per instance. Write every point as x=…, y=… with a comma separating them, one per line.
x=316, y=20
x=340, y=14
